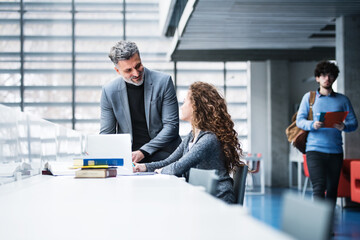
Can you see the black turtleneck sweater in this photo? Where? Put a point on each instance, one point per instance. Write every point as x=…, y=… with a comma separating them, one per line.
x=137, y=113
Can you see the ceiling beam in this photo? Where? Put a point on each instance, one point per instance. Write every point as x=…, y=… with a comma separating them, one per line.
x=314, y=54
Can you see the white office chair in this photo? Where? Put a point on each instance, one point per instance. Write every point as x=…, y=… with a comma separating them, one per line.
x=306, y=219
x=206, y=178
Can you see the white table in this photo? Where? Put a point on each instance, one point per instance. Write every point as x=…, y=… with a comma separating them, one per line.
x=128, y=207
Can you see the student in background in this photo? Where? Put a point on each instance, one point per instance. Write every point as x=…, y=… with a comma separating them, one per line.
x=141, y=102
x=212, y=143
x=324, y=152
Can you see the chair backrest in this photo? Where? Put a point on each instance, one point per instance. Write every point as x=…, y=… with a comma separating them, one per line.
x=306, y=219
x=206, y=178
x=239, y=183
x=306, y=169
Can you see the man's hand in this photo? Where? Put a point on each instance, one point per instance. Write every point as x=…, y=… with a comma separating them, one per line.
x=139, y=167
x=137, y=156
x=318, y=125
x=158, y=171
x=339, y=126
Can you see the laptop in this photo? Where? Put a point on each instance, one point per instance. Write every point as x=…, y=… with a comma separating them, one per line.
x=111, y=146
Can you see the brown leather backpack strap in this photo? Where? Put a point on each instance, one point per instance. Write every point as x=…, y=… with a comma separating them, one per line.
x=311, y=103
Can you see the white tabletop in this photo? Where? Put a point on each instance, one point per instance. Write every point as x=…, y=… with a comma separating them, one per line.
x=128, y=207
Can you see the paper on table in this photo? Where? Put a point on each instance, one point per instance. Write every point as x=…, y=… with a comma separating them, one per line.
x=331, y=118
x=61, y=168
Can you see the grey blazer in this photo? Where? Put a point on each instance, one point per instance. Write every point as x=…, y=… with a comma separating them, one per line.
x=206, y=153
x=161, y=111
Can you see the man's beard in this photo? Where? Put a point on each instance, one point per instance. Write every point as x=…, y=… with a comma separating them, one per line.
x=328, y=87
x=130, y=80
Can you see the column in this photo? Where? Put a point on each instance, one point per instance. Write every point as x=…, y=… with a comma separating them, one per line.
x=348, y=59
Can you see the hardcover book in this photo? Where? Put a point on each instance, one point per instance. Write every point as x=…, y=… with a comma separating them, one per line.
x=99, y=161
x=96, y=173
x=331, y=118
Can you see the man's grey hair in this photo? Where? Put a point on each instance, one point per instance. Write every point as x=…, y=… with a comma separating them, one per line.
x=123, y=50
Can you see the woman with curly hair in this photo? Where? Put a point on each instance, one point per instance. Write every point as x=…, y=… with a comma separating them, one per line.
x=212, y=143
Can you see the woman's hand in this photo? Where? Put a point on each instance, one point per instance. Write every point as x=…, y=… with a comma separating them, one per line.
x=139, y=167
x=158, y=170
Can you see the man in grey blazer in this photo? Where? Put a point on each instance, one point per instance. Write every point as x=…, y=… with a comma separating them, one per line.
x=141, y=102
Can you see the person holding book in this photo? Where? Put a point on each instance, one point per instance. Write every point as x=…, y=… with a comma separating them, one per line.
x=212, y=143
x=141, y=102
x=324, y=151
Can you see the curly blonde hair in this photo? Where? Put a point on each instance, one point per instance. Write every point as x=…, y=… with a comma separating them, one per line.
x=210, y=114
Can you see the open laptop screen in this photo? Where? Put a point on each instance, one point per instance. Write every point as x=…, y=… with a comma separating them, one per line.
x=111, y=146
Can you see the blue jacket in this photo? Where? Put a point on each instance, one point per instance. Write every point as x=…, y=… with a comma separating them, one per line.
x=325, y=140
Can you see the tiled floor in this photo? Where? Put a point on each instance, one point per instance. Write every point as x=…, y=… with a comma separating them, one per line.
x=267, y=208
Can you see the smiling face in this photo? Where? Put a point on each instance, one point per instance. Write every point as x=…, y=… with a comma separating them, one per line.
x=131, y=69
x=186, y=109
x=325, y=81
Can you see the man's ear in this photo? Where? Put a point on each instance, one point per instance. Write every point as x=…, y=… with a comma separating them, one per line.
x=317, y=79
x=117, y=70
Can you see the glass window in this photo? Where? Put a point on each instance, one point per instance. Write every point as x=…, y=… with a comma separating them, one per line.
x=231, y=81
x=190, y=72
x=10, y=79
x=8, y=64
x=95, y=45
x=9, y=28
x=10, y=95
x=237, y=111
x=138, y=29
x=88, y=112
x=48, y=59
x=45, y=95
x=50, y=112
x=88, y=128
x=48, y=79
x=10, y=45
x=47, y=45
x=88, y=95
x=43, y=64
x=99, y=28
x=236, y=95
x=94, y=79
x=47, y=28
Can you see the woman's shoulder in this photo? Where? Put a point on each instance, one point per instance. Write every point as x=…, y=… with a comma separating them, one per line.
x=208, y=136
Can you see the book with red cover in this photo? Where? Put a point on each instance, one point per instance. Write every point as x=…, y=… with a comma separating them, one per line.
x=331, y=118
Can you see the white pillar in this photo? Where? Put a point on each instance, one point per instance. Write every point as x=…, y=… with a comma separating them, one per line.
x=259, y=115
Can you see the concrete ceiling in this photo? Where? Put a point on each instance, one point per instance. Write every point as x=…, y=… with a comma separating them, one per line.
x=240, y=30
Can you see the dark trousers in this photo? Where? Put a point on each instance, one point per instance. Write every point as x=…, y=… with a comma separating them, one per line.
x=324, y=170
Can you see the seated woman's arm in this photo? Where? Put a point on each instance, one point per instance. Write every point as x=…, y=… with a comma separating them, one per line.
x=205, y=146
x=176, y=155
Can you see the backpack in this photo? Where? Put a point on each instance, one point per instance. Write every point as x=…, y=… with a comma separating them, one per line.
x=296, y=136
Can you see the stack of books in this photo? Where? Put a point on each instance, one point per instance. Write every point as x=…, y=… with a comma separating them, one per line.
x=97, y=167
